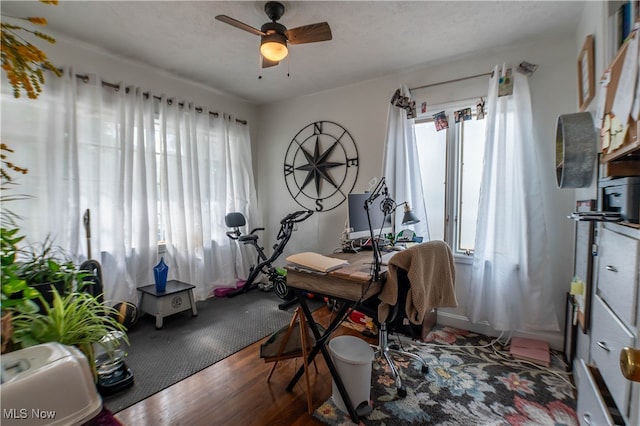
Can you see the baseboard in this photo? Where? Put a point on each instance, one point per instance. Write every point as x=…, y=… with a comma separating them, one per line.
x=555, y=339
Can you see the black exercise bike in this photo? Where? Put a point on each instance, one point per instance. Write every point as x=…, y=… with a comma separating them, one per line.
x=277, y=276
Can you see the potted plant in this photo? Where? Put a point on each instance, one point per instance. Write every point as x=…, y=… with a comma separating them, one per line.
x=76, y=319
x=15, y=291
x=44, y=266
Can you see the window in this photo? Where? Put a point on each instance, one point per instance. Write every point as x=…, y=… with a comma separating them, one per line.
x=451, y=169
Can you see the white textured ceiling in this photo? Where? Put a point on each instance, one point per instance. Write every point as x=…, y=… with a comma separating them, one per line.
x=370, y=39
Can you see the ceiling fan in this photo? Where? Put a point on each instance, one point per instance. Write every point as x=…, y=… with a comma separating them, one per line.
x=274, y=36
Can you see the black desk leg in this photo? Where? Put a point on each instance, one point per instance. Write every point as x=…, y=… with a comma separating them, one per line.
x=321, y=341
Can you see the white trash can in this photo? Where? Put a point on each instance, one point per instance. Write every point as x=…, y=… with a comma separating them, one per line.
x=352, y=357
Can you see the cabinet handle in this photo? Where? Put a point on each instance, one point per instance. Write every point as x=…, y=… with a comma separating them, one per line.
x=604, y=346
x=611, y=268
x=630, y=363
x=587, y=419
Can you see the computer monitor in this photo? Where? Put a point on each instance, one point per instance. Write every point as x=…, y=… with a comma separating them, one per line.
x=358, y=217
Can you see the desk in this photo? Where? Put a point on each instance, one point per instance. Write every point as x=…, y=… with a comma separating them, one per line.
x=168, y=302
x=350, y=285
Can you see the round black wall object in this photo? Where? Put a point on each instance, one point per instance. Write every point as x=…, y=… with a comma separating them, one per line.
x=576, y=150
x=321, y=166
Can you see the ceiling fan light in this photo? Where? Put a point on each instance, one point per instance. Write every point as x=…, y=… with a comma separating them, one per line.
x=274, y=47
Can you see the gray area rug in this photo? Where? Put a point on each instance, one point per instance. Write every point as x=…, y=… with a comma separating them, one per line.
x=187, y=344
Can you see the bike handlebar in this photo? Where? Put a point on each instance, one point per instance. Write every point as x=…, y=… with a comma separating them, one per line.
x=293, y=217
x=286, y=224
x=233, y=234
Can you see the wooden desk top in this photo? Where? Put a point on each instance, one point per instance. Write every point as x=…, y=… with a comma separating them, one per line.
x=353, y=282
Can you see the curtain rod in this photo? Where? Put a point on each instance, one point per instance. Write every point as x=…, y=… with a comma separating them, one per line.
x=452, y=81
x=85, y=78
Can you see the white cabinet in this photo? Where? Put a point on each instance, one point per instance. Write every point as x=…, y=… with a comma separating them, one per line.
x=618, y=274
x=608, y=338
x=614, y=325
x=592, y=408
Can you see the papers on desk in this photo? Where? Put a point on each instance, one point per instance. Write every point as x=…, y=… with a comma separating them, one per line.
x=384, y=259
x=316, y=262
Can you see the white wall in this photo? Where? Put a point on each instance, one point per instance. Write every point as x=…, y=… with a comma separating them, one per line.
x=592, y=22
x=362, y=110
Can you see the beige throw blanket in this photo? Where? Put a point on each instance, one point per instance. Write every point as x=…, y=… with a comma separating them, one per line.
x=432, y=275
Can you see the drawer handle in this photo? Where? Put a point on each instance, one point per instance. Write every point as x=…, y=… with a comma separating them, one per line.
x=611, y=268
x=604, y=346
x=587, y=419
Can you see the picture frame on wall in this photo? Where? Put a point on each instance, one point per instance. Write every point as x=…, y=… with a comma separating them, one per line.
x=586, y=74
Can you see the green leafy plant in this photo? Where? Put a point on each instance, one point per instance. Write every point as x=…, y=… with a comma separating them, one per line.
x=76, y=319
x=15, y=291
x=44, y=263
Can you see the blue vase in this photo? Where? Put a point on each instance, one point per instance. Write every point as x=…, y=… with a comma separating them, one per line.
x=160, y=272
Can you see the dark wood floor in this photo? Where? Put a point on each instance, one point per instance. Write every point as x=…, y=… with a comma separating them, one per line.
x=235, y=392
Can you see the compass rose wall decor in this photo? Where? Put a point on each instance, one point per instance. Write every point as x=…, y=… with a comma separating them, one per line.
x=321, y=166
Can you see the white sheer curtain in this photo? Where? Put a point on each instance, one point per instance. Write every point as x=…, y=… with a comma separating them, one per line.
x=42, y=135
x=240, y=189
x=205, y=172
x=510, y=279
x=136, y=163
x=118, y=184
x=400, y=163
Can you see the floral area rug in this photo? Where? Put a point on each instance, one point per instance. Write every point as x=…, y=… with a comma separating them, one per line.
x=472, y=380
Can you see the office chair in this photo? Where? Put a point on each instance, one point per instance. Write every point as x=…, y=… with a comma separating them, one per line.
x=393, y=323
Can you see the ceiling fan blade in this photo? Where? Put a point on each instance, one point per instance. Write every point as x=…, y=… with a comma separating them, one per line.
x=309, y=33
x=266, y=63
x=234, y=22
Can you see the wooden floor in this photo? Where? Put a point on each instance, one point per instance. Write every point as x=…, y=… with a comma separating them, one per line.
x=235, y=392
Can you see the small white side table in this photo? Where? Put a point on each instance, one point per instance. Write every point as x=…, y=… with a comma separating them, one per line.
x=177, y=297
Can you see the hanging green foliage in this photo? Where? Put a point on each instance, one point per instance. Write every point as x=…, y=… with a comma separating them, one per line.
x=24, y=62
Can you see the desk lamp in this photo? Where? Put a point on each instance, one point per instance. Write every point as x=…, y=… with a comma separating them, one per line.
x=407, y=219
x=387, y=205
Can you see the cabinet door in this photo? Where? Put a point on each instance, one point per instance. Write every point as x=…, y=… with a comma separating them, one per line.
x=591, y=409
x=618, y=273
x=609, y=336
